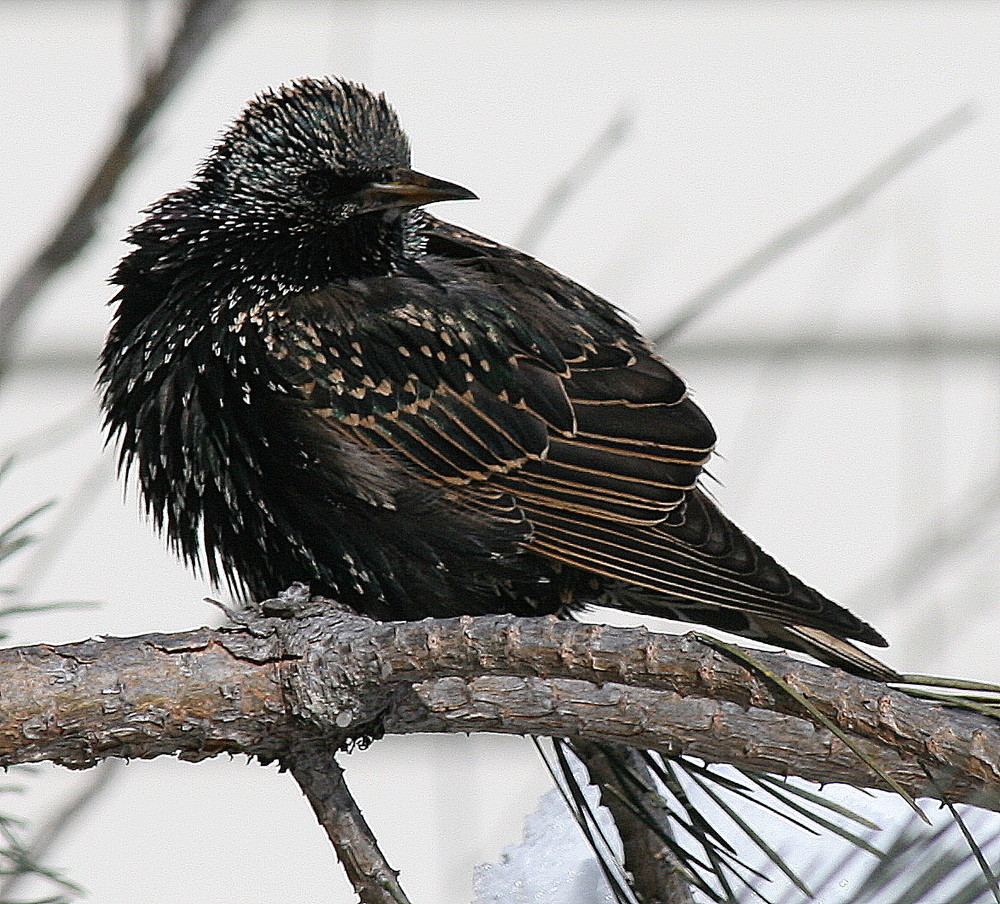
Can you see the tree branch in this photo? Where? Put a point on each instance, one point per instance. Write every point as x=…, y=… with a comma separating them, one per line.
x=322, y=781
x=844, y=204
x=199, y=22
x=254, y=687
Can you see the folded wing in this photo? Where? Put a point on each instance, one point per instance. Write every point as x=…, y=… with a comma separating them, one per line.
x=563, y=423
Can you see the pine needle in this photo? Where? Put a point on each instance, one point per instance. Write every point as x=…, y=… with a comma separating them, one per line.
x=757, y=666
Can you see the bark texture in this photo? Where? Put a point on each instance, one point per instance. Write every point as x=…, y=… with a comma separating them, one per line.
x=316, y=673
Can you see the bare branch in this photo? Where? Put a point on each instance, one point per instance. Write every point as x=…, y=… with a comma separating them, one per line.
x=555, y=200
x=247, y=689
x=322, y=781
x=199, y=23
x=855, y=197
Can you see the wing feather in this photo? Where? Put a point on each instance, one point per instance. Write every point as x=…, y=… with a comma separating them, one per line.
x=561, y=415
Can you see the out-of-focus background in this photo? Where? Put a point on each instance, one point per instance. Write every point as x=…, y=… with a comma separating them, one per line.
x=853, y=380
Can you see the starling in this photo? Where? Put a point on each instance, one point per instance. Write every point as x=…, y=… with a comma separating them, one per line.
x=315, y=380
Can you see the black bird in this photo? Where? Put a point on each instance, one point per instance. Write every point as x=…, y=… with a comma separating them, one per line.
x=314, y=380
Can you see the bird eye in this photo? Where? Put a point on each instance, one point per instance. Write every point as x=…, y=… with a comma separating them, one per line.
x=316, y=184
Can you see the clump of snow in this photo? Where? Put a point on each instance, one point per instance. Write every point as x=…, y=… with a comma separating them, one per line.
x=553, y=864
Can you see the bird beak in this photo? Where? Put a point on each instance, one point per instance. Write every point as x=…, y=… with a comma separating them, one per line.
x=406, y=188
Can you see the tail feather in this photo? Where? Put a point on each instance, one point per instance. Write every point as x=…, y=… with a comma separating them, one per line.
x=832, y=650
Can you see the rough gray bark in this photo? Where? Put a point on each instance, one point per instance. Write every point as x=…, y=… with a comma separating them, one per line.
x=260, y=686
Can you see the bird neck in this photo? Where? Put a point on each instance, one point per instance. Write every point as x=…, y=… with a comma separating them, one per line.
x=362, y=246
x=357, y=248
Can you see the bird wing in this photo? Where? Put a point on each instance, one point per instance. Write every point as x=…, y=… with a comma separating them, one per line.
x=465, y=401
x=530, y=399
x=694, y=554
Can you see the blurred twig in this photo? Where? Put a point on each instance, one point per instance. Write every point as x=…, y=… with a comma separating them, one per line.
x=65, y=814
x=849, y=201
x=199, y=22
x=846, y=347
x=50, y=435
x=554, y=201
x=71, y=514
x=944, y=535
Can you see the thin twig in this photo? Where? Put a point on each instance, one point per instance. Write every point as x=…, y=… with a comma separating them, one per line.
x=199, y=23
x=554, y=201
x=52, y=435
x=801, y=231
x=322, y=781
x=63, y=818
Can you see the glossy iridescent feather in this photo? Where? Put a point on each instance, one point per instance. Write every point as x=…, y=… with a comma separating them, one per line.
x=314, y=383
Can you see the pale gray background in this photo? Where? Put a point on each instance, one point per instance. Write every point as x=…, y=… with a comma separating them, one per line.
x=745, y=117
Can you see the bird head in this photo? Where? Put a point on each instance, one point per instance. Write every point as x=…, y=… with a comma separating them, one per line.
x=312, y=156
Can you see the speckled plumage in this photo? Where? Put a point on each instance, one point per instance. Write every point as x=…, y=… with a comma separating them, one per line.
x=316, y=381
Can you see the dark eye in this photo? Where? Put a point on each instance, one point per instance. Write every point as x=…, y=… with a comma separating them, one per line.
x=315, y=184
x=347, y=185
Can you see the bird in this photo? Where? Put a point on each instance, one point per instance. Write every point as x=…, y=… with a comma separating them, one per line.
x=315, y=380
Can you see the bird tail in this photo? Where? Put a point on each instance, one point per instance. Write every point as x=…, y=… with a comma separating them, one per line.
x=822, y=645
x=831, y=650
